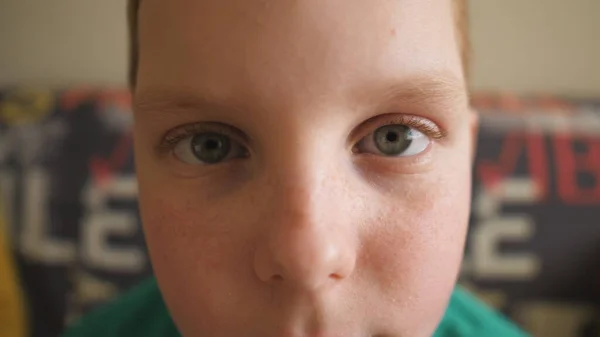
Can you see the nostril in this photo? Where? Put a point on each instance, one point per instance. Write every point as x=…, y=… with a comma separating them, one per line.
x=335, y=276
x=277, y=278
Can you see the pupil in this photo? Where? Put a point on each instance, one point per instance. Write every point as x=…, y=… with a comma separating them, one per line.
x=211, y=148
x=392, y=137
x=212, y=144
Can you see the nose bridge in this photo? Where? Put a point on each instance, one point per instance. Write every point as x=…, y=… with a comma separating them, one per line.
x=300, y=172
x=299, y=191
x=306, y=188
x=306, y=243
x=303, y=211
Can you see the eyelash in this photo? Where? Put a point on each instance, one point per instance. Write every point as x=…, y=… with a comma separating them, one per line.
x=424, y=125
x=180, y=133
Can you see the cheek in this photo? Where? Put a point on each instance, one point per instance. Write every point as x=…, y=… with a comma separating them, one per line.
x=192, y=236
x=199, y=263
x=410, y=244
x=413, y=250
x=191, y=243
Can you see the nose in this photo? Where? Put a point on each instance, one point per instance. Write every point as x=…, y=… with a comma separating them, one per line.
x=309, y=242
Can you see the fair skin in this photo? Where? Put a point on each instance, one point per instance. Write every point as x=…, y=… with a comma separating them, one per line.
x=304, y=166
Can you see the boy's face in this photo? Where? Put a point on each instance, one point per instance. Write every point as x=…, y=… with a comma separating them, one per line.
x=304, y=165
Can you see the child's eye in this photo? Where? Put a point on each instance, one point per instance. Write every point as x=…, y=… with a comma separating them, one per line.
x=395, y=140
x=208, y=148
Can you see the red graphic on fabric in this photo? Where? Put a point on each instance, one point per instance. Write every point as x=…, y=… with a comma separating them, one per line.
x=483, y=102
x=570, y=164
x=514, y=145
x=538, y=163
x=550, y=104
x=103, y=169
x=73, y=98
x=510, y=104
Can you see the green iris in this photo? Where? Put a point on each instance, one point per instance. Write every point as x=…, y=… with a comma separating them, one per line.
x=392, y=140
x=210, y=148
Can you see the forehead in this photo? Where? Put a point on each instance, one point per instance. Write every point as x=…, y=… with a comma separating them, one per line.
x=266, y=47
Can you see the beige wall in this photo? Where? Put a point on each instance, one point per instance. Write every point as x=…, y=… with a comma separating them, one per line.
x=62, y=42
x=520, y=45
x=537, y=45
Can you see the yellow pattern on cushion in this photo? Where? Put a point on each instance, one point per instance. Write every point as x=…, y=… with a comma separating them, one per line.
x=12, y=313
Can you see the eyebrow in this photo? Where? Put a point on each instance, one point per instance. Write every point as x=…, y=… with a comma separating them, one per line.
x=157, y=101
x=431, y=89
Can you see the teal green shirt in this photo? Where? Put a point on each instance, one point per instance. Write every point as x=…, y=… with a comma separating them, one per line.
x=142, y=313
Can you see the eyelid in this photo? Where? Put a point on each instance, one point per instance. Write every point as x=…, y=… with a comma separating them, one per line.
x=424, y=125
x=176, y=135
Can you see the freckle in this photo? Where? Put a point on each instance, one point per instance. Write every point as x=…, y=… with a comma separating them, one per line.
x=393, y=32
